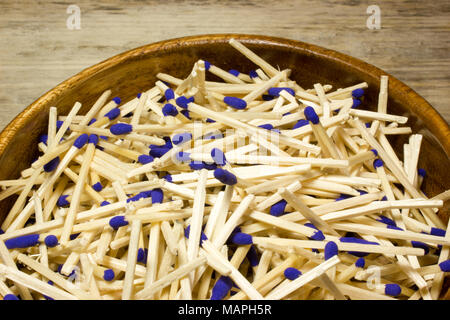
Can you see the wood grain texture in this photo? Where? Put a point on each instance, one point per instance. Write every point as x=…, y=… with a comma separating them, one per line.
x=38, y=51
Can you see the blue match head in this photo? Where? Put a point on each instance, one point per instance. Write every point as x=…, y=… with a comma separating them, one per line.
x=275, y=91
x=225, y=177
x=62, y=202
x=386, y=220
x=236, y=230
x=209, y=120
x=394, y=227
x=210, y=166
x=422, y=245
x=445, y=266
x=157, y=195
x=197, y=165
x=10, y=296
x=22, y=241
x=169, y=110
x=186, y=114
x=253, y=74
x=311, y=115
x=59, y=123
x=117, y=222
x=218, y=156
x=203, y=237
x=384, y=198
x=51, y=165
x=158, y=152
x=252, y=256
x=183, y=156
x=392, y=289
x=300, y=123
x=267, y=97
x=292, y=273
x=1, y=231
x=221, y=288
x=375, y=152
x=367, y=124
x=278, y=208
x=142, y=255
x=309, y=224
x=51, y=241
x=182, y=102
x=360, y=263
x=422, y=172
x=117, y=100
x=169, y=94
x=377, y=163
x=362, y=192
x=97, y=186
x=108, y=275
x=113, y=114
x=235, y=102
x=139, y=95
x=168, y=178
x=121, y=128
x=356, y=103
x=81, y=141
x=43, y=138
x=104, y=203
x=73, y=236
x=93, y=120
x=93, y=138
x=241, y=238
x=207, y=65
x=266, y=126
x=437, y=232
x=331, y=250
x=318, y=236
x=144, y=159
x=181, y=137
x=358, y=93
x=234, y=72
x=356, y=240
x=187, y=231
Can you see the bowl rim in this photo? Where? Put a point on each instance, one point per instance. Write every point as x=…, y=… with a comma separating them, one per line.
x=422, y=108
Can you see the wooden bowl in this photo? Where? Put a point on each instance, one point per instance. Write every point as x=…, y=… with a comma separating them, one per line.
x=134, y=71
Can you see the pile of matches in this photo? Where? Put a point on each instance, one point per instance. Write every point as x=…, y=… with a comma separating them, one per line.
x=246, y=188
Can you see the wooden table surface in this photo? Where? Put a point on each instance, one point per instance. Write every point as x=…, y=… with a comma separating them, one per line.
x=38, y=50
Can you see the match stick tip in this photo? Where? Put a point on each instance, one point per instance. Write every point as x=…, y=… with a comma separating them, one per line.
x=292, y=273
x=392, y=289
x=51, y=241
x=331, y=250
x=236, y=103
x=358, y=93
x=360, y=263
x=108, y=275
x=121, y=128
x=311, y=115
x=169, y=110
x=117, y=100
